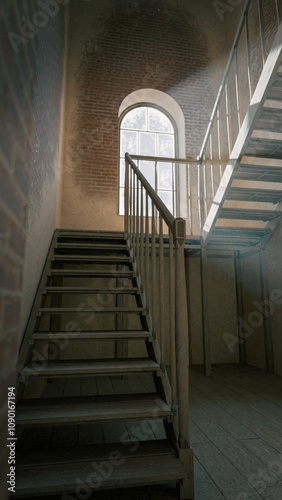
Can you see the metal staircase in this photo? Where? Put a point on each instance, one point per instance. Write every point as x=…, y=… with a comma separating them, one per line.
x=243, y=140
x=95, y=409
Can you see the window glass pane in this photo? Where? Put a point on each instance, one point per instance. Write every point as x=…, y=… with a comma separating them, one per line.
x=164, y=175
x=122, y=172
x=135, y=119
x=147, y=144
x=166, y=145
x=128, y=142
x=159, y=122
x=148, y=170
x=166, y=197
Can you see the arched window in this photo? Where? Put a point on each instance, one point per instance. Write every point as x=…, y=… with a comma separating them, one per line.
x=148, y=131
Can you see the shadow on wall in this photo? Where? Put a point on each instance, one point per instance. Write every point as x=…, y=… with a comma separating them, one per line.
x=131, y=45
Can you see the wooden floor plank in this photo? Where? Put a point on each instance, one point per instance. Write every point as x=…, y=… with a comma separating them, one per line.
x=227, y=478
x=248, y=453
x=205, y=489
x=215, y=391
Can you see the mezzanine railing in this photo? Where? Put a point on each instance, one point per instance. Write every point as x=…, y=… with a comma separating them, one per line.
x=256, y=32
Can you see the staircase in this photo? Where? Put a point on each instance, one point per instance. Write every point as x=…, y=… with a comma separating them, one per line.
x=95, y=409
x=245, y=206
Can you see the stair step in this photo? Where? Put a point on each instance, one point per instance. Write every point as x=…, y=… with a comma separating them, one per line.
x=270, y=117
x=263, y=173
x=89, y=367
x=103, y=310
x=70, y=289
x=106, y=259
x=247, y=214
x=101, y=335
x=238, y=232
x=153, y=462
x=259, y=195
x=43, y=412
x=64, y=233
x=93, y=246
x=67, y=455
x=264, y=147
x=88, y=273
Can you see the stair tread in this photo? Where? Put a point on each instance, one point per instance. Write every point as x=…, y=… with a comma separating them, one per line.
x=94, y=367
x=60, y=310
x=78, y=232
x=97, y=258
x=253, y=194
x=248, y=214
x=259, y=173
x=243, y=229
x=100, y=246
x=72, y=289
x=136, y=471
x=107, y=334
x=91, y=273
x=90, y=410
x=26, y=459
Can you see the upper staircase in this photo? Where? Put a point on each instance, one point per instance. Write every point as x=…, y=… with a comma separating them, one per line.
x=95, y=406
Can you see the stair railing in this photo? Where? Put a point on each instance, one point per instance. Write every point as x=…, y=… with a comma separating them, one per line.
x=184, y=179
x=156, y=240
x=257, y=29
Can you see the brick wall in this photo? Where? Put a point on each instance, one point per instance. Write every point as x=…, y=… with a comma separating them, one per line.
x=163, y=45
x=30, y=93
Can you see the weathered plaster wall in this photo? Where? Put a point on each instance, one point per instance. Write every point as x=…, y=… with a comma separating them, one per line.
x=252, y=328
x=222, y=309
x=45, y=156
x=31, y=54
x=274, y=274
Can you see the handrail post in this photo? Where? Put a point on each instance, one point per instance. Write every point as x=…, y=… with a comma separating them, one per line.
x=181, y=323
x=126, y=198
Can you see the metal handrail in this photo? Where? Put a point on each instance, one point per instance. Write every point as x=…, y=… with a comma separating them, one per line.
x=164, y=159
x=226, y=72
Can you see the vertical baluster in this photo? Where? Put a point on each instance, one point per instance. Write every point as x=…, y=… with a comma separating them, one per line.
x=156, y=178
x=237, y=88
x=227, y=108
x=172, y=320
x=181, y=326
x=278, y=12
x=130, y=204
x=262, y=33
x=248, y=56
x=211, y=159
x=147, y=251
x=137, y=226
x=200, y=196
x=142, y=235
x=161, y=292
x=173, y=173
x=188, y=167
x=134, y=214
x=219, y=142
x=205, y=187
x=126, y=188
x=154, y=272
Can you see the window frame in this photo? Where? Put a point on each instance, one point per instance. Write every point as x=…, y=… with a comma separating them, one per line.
x=176, y=141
